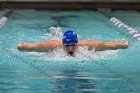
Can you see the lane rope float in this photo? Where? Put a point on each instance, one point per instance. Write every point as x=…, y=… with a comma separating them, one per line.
x=4, y=18
x=131, y=31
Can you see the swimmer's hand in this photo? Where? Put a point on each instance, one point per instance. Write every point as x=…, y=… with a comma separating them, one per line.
x=27, y=47
x=20, y=46
x=125, y=43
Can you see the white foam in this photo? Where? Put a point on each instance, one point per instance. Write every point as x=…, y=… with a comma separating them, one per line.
x=96, y=55
x=81, y=54
x=55, y=33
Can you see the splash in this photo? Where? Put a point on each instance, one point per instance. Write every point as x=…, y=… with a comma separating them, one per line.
x=84, y=54
x=81, y=54
x=55, y=33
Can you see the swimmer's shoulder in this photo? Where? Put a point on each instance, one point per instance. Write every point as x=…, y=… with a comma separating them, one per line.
x=57, y=43
x=51, y=43
x=88, y=42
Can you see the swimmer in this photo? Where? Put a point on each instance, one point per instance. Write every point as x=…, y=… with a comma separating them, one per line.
x=70, y=43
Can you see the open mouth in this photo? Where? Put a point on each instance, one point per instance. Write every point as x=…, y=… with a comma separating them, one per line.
x=70, y=53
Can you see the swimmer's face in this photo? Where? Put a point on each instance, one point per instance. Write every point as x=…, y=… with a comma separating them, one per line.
x=70, y=49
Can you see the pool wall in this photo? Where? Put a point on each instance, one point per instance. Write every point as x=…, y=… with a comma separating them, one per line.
x=70, y=5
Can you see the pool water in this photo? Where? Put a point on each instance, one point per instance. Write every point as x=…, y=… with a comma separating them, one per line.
x=111, y=71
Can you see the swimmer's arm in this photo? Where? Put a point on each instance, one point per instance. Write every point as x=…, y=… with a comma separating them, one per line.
x=91, y=44
x=26, y=47
x=111, y=45
x=101, y=46
x=40, y=47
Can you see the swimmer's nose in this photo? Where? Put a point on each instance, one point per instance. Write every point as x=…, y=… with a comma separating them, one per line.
x=70, y=48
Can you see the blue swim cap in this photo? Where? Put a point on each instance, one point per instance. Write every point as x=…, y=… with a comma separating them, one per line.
x=69, y=38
